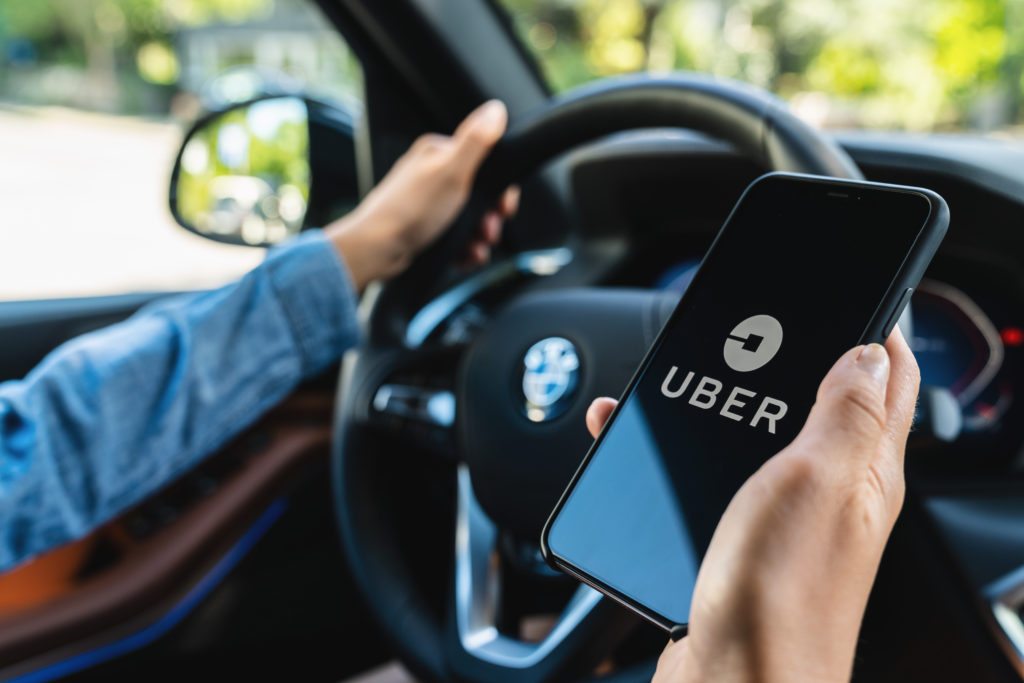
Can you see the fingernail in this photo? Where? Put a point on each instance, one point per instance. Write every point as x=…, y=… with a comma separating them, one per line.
x=874, y=360
x=491, y=114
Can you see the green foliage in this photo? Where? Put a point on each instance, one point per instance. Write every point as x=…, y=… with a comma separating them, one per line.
x=26, y=19
x=99, y=36
x=916, y=64
x=133, y=20
x=970, y=42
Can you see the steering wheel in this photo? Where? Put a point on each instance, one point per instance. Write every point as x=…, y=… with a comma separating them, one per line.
x=438, y=580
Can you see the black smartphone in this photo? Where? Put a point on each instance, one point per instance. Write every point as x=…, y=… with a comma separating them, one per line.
x=803, y=269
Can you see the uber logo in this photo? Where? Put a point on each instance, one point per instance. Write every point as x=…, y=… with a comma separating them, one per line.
x=706, y=393
x=749, y=346
x=753, y=343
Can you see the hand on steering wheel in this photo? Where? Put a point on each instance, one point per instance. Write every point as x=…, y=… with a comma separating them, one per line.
x=783, y=587
x=420, y=197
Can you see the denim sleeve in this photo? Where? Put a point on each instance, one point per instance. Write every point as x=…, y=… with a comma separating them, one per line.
x=108, y=418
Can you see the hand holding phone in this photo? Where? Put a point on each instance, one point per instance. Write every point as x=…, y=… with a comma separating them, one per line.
x=803, y=269
x=782, y=589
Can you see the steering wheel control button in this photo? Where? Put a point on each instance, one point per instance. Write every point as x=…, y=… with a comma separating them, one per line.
x=430, y=406
x=550, y=374
x=753, y=343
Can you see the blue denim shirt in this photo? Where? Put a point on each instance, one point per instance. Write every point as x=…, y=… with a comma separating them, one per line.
x=108, y=418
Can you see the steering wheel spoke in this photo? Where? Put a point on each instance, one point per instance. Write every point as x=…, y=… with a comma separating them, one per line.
x=479, y=643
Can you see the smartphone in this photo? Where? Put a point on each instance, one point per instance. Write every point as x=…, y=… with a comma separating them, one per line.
x=804, y=269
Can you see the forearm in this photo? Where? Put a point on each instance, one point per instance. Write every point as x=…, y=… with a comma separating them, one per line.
x=112, y=416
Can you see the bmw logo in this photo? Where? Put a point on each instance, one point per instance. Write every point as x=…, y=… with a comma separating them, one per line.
x=550, y=371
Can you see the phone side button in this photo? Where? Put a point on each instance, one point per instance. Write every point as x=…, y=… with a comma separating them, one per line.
x=897, y=312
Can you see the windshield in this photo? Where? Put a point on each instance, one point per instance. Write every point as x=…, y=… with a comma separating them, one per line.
x=926, y=65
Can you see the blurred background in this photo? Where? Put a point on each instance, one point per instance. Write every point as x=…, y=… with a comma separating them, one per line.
x=908, y=64
x=94, y=98
x=95, y=94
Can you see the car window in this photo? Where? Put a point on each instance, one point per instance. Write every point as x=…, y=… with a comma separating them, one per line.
x=898, y=64
x=94, y=98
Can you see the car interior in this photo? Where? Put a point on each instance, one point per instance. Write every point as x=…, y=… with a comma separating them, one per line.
x=386, y=516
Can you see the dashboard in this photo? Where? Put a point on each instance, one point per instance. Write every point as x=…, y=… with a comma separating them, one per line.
x=960, y=347
x=968, y=336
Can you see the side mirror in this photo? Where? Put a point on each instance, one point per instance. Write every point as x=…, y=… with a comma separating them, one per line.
x=261, y=171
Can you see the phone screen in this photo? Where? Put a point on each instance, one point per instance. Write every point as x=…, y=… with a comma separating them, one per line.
x=791, y=283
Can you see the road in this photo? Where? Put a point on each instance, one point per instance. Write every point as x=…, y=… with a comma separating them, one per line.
x=83, y=209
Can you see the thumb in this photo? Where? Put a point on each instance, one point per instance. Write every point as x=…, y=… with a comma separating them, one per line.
x=478, y=133
x=598, y=413
x=849, y=417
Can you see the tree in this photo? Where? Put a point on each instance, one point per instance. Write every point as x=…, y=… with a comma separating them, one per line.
x=105, y=37
x=916, y=64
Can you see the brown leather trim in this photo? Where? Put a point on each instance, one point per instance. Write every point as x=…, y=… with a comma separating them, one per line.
x=296, y=436
x=44, y=578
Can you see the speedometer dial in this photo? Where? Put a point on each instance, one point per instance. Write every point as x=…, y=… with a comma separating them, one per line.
x=959, y=348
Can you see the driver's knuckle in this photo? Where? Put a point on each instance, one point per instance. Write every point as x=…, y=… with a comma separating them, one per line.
x=431, y=143
x=862, y=408
x=797, y=474
x=462, y=179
